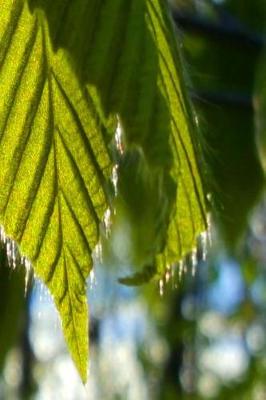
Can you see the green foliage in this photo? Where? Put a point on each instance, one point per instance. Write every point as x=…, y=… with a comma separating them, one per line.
x=69, y=72
x=251, y=14
x=52, y=196
x=227, y=120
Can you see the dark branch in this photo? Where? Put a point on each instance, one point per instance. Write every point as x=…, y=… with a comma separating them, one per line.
x=218, y=31
x=228, y=99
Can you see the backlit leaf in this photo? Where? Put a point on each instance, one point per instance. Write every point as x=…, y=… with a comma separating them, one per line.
x=129, y=52
x=69, y=72
x=53, y=166
x=188, y=218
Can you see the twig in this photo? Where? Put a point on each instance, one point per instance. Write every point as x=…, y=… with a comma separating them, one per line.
x=230, y=99
x=218, y=31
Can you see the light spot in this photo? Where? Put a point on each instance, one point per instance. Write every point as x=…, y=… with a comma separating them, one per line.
x=161, y=287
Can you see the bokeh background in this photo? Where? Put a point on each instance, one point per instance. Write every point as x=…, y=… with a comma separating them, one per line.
x=199, y=334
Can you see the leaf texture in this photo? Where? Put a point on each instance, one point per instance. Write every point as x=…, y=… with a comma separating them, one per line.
x=54, y=164
x=188, y=218
x=128, y=51
x=68, y=71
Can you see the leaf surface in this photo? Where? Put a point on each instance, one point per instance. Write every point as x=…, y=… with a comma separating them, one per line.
x=68, y=70
x=188, y=218
x=53, y=167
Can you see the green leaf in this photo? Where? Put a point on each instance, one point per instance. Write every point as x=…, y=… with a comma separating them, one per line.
x=236, y=178
x=70, y=71
x=127, y=51
x=53, y=167
x=188, y=218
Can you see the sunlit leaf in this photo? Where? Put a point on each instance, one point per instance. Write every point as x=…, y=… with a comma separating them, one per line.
x=188, y=219
x=128, y=51
x=69, y=72
x=53, y=166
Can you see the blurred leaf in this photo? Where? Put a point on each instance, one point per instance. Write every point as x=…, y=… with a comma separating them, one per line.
x=249, y=270
x=142, y=213
x=224, y=94
x=249, y=13
x=237, y=175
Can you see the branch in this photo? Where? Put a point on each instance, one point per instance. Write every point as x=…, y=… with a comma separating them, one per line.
x=229, y=99
x=218, y=31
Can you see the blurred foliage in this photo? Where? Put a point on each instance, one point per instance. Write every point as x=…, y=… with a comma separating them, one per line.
x=223, y=74
x=238, y=179
x=260, y=107
x=249, y=13
x=223, y=71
